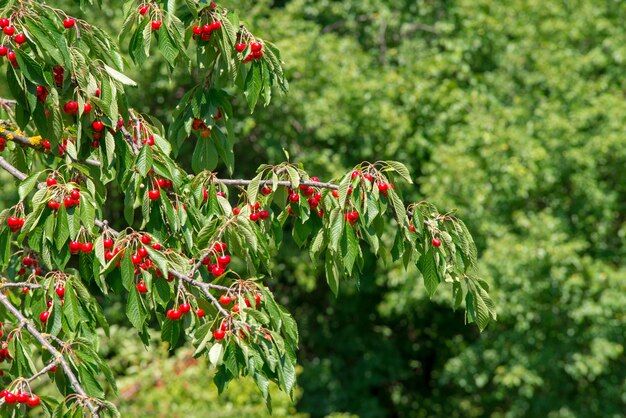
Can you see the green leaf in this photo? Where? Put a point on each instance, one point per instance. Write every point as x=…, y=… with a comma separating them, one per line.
x=27, y=185
x=253, y=85
x=428, y=268
x=134, y=309
x=119, y=76
x=71, y=310
x=144, y=160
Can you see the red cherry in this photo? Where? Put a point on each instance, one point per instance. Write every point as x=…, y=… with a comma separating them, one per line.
x=200, y=312
x=254, y=216
x=3, y=393
x=75, y=247
x=108, y=243
x=4, y=22
x=149, y=141
x=220, y=194
x=157, y=246
x=53, y=369
x=217, y=270
x=220, y=247
x=33, y=401
x=97, y=92
x=142, y=252
x=205, y=193
x=174, y=314
x=68, y=202
x=257, y=299
x=22, y=397
x=3, y=51
x=256, y=47
x=412, y=228
x=25, y=290
x=225, y=299
x=223, y=260
x=60, y=291
x=382, y=187
x=51, y=181
x=69, y=23
x=235, y=308
x=216, y=25
x=144, y=9
x=11, y=56
x=141, y=287
x=265, y=190
x=97, y=126
x=10, y=398
x=87, y=107
x=185, y=308
x=236, y=211
x=294, y=197
x=43, y=317
x=54, y=205
x=75, y=194
x=352, y=217
x=264, y=214
x=87, y=247
x=156, y=24
x=145, y=239
x=154, y=194
x=136, y=259
x=219, y=334
x=108, y=255
x=9, y=31
x=206, y=36
x=20, y=38
x=168, y=183
x=197, y=30
x=436, y=242
x=240, y=47
x=206, y=28
x=46, y=144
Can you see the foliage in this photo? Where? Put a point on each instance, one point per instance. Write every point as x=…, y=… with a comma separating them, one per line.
x=75, y=134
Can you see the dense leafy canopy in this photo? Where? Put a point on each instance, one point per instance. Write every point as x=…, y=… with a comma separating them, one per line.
x=73, y=140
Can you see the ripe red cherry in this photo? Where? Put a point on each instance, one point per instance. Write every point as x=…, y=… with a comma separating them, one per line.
x=266, y=190
x=43, y=317
x=108, y=243
x=199, y=312
x=87, y=247
x=142, y=252
x=216, y=25
x=3, y=51
x=256, y=46
x=141, y=287
x=206, y=28
x=219, y=334
x=60, y=291
x=157, y=246
x=294, y=197
x=51, y=181
x=436, y=242
x=168, y=183
x=149, y=141
x=108, y=255
x=13, y=222
x=217, y=270
x=254, y=216
x=25, y=290
x=264, y=214
x=10, y=398
x=236, y=308
x=144, y=9
x=240, y=47
x=75, y=247
x=3, y=393
x=20, y=38
x=9, y=31
x=174, y=314
x=87, y=107
x=154, y=194
x=156, y=24
x=75, y=194
x=70, y=107
x=382, y=187
x=352, y=217
x=54, y=205
x=4, y=22
x=197, y=30
x=69, y=23
x=68, y=202
x=34, y=401
x=145, y=239
x=136, y=259
x=46, y=144
x=223, y=260
x=412, y=228
x=185, y=308
x=97, y=126
x=225, y=299
x=219, y=247
x=22, y=397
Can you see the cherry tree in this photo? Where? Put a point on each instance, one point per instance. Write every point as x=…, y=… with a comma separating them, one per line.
x=197, y=252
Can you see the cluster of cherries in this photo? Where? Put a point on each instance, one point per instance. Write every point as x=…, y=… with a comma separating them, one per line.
x=71, y=107
x=225, y=300
x=71, y=200
x=256, y=212
x=140, y=259
x=217, y=261
x=11, y=398
x=175, y=314
x=14, y=223
x=256, y=51
x=77, y=246
x=159, y=183
x=20, y=38
x=33, y=264
x=203, y=32
x=199, y=125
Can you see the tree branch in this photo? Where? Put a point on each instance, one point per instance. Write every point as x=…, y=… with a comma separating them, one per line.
x=23, y=322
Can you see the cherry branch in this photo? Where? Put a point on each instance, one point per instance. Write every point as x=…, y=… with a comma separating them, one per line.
x=24, y=323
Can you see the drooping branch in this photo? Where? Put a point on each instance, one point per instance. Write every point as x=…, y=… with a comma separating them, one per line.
x=23, y=322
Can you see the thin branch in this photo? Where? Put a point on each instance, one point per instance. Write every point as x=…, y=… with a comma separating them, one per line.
x=23, y=322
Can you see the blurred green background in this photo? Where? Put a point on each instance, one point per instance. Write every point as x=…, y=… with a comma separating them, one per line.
x=511, y=112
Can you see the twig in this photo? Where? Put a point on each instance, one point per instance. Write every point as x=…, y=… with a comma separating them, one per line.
x=23, y=322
